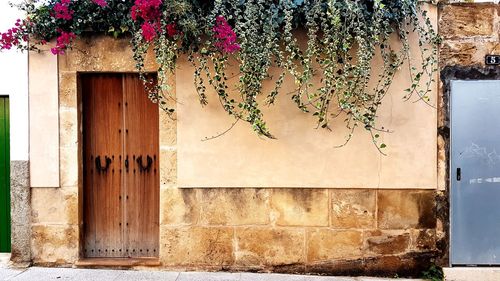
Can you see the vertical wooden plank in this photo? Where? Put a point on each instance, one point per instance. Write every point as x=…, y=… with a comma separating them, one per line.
x=4, y=176
x=102, y=137
x=142, y=181
x=88, y=227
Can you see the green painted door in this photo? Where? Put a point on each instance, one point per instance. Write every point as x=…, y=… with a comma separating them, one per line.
x=4, y=176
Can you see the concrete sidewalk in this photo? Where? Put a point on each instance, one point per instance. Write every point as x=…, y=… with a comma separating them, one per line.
x=46, y=274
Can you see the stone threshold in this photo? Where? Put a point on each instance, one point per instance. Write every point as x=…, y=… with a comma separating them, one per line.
x=116, y=262
x=471, y=273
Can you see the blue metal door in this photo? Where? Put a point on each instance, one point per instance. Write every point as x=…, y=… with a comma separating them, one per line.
x=475, y=172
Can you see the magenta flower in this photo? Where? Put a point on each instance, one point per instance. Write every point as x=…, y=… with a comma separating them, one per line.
x=13, y=36
x=101, y=3
x=63, y=11
x=148, y=31
x=172, y=29
x=225, y=37
x=63, y=42
x=148, y=10
x=8, y=39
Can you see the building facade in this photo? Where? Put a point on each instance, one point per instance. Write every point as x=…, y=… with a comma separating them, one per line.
x=296, y=204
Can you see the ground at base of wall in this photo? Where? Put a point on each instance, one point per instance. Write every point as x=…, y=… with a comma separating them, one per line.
x=4, y=260
x=42, y=274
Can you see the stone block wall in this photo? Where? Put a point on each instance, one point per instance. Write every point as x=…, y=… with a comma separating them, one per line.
x=335, y=231
x=470, y=31
x=20, y=195
x=324, y=231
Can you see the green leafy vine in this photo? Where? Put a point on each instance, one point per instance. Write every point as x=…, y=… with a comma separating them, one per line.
x=343, y=37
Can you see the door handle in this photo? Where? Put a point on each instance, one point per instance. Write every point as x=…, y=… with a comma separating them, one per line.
x=99, y=166
x=149, y=162
x=459, y=174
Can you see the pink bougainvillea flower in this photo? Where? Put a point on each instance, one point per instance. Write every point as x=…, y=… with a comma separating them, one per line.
x=102, y=3
x=62, y=10
x=225, y=37
x=148, y=10
x=172, y=29
x=14, y=36
x=63, y=41
x=148, y=31
x=8, y=39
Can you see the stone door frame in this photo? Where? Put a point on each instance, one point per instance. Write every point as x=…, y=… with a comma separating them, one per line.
x=448, y=74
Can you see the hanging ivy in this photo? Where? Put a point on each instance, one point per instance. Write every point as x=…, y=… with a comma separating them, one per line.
x=343, y=38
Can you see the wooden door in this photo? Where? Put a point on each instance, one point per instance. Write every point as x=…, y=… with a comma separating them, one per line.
x=4, y=176
x=121, y=197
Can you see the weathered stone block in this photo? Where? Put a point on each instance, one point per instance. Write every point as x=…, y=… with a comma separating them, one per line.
x=196, y=246
x=91, y=53
x=54, y=244
x=457, y=53
x=168, y=167
x=423, y=239
x=328, y=244
x=20, y=253
x=403, y=209
x=68, y=124
x=460, y=21
x=466, y=53
x=442, y=164
x=258, y=246
x=179, y=207
x=403, y=265
x=234, y=206
x=68, y=90
x=20, y=202
x=387, y=242
x=340, y=267
x=68, y=166
x=20, y=193
x=353, y=208
x=168, y=129
x=300, y=207
x=54, y=206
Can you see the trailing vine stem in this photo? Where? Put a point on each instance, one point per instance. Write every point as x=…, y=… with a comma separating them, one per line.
x=324, y=49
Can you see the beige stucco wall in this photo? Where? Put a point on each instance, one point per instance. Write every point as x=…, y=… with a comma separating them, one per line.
x=303, y=156
x=43, y=119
